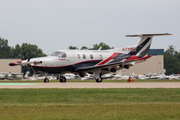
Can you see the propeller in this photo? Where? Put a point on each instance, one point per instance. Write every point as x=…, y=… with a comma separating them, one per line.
x=28, y=66
x=31, y=56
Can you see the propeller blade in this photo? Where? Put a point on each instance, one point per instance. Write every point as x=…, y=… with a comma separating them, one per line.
x=32, y=69
x=25, y=70
x=31, y=56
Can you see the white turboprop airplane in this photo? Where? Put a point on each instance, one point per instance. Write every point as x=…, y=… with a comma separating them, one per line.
x=97, y=62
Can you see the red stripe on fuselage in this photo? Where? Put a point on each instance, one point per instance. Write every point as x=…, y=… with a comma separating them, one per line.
x=136, y=58
x=132, y=57
x=108, y=59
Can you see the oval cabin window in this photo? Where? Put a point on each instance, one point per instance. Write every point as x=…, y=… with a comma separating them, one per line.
x=91, y=56
x=84, y=56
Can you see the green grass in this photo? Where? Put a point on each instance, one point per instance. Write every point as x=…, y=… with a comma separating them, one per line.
x=122, y=103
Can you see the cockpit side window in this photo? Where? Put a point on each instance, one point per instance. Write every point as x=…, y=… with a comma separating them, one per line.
x=62, y=55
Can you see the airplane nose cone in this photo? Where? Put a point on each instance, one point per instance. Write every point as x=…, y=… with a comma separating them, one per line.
x=12, y=64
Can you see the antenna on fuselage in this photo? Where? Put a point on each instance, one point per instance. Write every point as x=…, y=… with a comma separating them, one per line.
x=100, y=48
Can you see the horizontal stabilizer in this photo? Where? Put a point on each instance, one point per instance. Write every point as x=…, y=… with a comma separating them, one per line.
x=148, y=35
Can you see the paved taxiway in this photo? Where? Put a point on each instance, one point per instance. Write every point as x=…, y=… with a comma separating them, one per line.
x=93, y=85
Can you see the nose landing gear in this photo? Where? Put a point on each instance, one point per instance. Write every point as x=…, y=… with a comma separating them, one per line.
x=46, y=80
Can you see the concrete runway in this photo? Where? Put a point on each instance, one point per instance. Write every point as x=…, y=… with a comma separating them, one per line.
x=92, y=85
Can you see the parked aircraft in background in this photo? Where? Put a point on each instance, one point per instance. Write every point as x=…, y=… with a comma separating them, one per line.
x=96, y=62
x=119, y=76
x=88, y=77
x=71, y=76
x=10, y=76
x=2, y=77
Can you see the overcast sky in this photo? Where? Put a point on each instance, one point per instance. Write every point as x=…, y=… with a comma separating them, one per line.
x=57, y=24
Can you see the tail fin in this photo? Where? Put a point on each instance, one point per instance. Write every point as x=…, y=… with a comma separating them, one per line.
x=143, y=45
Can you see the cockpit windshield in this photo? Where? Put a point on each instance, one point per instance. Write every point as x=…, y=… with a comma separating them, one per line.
x=59, y=54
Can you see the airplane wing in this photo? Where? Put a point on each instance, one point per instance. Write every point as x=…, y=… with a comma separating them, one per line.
x=111, y=64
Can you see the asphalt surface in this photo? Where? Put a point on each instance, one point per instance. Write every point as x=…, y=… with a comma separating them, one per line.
x=93, y=85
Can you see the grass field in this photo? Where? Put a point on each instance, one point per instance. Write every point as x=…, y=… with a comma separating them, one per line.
x=122, y=103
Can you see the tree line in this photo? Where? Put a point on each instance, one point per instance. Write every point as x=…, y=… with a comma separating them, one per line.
x=171, y=56
x=19, y=51
x=95, y=47
x=172, y=60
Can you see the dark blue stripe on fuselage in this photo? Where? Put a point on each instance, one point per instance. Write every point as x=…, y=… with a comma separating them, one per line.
x=72, y=68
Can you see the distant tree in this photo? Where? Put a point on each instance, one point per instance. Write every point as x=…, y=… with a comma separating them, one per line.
x=16, y=52
x=171, y=50
x=72, y=48
x=171, y=61
x=28, y=49
x=103, y=45
x=177, y=55
x=84, y=47
x=4, y=48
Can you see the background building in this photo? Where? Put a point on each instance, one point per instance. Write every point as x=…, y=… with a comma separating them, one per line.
x=5, y=68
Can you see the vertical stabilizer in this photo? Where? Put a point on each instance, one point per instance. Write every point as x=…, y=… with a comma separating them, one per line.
x=141, y=48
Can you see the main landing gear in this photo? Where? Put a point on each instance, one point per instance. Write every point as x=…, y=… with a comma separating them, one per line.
x=62, y=79
x=98, y=80
x=97, y=75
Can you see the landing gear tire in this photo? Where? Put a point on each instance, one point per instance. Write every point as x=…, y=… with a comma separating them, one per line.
x=98, y=80
x=62, y=79
x=46, y=80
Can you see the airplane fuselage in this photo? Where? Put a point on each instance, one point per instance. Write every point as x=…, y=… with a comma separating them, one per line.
x=74, y=59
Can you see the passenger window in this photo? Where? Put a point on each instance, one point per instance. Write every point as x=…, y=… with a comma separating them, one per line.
x=84, y=56
x=91, y=56
x=78, y=56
